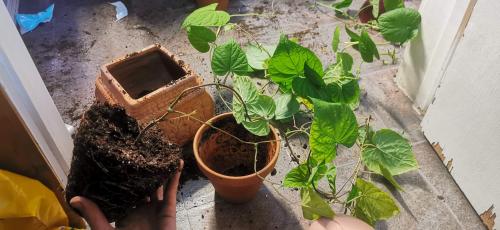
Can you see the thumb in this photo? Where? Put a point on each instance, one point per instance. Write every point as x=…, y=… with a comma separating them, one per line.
x=91, y=212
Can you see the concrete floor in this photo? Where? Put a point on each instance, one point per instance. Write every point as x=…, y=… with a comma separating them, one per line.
x=83, y=35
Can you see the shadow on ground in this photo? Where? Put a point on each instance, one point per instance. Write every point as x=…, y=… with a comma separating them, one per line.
x=263, y=212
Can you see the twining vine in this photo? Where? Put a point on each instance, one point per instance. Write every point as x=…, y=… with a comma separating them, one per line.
x=327, y=95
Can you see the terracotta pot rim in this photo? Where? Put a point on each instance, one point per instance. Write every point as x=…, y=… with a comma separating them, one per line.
x=196, y=143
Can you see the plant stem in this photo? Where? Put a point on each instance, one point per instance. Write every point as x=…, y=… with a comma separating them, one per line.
x=324, y=5
x=216, y=81
x=264, y=86
x=217, y=34
x=292, y=154
x=254, y=40
x=293, y=132
x=225, y=79
x=335, y=10
x=349, y=44
x=383, y=43
x=256, y=150
x=358, y=164
x=323, y=194
x=221, y=130
x=352, y=177
x=392, y=55
x=368, y=172
x=180, y=96
x=243, y=15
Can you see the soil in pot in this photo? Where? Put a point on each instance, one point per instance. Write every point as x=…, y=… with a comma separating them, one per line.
x=229, y=156
x=140, y=75
x=113, y=170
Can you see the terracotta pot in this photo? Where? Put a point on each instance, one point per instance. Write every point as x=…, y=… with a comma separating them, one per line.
x=366, y=11
x=145, y=83
x=235, y=189
x=223, y=4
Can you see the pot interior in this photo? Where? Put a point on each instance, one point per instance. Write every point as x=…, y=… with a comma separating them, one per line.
x=146, y=72
x=228, y=156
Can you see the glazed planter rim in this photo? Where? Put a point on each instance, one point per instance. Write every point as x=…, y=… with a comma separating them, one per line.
x=205, y=127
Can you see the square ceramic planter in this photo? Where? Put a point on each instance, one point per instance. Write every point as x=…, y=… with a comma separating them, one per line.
x=145, y=83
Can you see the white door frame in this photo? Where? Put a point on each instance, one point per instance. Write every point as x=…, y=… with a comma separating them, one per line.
x=23, y=85
x=427, y=56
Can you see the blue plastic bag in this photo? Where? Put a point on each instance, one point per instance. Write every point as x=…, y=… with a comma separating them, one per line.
x=121, y=10
x=28, y=22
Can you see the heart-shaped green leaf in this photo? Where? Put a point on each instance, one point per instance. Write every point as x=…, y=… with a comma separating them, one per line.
x=313, y=206
x=300, y=177
x=391, y=150
x=200, y=36
x=371, y=203
x=258, y=56
x=340, y=76
x=286, y=106
x=297, y=177
x=263, y=107
x=336, y=39
x=333, y=123
x=260, y=108
x=365, y=46
x=318, y=171
x=229, y=58
x=313, y=76
x=249, y=94
x=342, y=4
x=306, y=88
x=354, y=37
x=345, y=61
x=393, y=4
x=206, y=16
x=399, y=25
x=288, y=63
x=350, y=93
x=390, y=178
x=257, y=126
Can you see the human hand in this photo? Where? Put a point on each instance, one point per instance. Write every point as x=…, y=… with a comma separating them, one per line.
x=157, y=213
x=340, y=222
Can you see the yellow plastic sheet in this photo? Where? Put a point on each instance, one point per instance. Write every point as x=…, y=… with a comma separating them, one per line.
x=27, y=204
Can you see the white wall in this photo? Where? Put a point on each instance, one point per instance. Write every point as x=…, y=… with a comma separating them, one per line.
x=465, y=116
x=426, y=56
